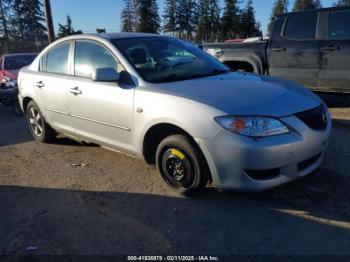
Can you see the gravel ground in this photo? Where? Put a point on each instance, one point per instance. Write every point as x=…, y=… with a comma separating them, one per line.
x=69, y=198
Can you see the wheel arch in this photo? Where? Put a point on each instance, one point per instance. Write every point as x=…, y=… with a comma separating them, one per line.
x=255, y=62
x=156, y=133
x=26, y=100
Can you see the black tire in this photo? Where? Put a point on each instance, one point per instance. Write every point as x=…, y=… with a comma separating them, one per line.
x=43, y=134
x=181, y=165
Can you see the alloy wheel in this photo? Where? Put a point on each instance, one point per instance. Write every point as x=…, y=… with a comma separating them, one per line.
x=35, y=121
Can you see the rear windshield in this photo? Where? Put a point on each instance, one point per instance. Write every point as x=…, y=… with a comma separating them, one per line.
x=17, y=62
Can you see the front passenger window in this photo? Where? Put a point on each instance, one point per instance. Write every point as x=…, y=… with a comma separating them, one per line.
x=301, y=26
x=90, y=56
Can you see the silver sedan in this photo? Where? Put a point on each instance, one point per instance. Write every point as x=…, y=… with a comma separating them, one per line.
x=168, y=102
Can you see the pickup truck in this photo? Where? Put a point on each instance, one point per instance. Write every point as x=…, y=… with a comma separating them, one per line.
x=309, y=47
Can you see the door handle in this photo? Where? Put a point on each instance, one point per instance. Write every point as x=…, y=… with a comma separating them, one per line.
x=40, y=84
x=279, y=49
x=330, y=48
x=75, y=91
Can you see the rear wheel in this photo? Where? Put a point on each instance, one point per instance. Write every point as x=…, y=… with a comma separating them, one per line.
x=181, y=165
x=39, y=129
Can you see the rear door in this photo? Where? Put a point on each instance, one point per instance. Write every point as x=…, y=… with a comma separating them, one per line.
x=101, y=112
x=335, y=53
x=294, y=52
x=51, y=85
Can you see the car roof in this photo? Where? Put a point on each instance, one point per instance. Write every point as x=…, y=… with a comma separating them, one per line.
x=105, y=36
x=112, y=36
x=18, y=54
x=317, y=10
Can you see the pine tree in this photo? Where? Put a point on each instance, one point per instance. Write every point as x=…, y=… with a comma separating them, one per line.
x=148, y=17
x=248, y=21
x=170, y=17
x=214, y=12
x=230, y=20
x=154, y=16
x=342, y=3
x=280, y=7
x=16, y=20
x=186, y=18
x=67, y=29
x=32, y=18
x=208, y=20
x=128, y=17
x=203, y=21
x=4, y=18
x=302, y=5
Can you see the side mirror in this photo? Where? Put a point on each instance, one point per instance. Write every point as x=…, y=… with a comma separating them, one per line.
x=105, y=75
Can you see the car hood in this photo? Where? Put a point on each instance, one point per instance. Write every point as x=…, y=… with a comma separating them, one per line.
x=245, y=94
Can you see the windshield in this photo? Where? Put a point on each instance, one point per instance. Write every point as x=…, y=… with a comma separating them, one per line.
x=167, y=59
x=17, y=62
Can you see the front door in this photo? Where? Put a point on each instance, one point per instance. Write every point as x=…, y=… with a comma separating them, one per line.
x=293, y=51
x=101, y=112
x=335, y=54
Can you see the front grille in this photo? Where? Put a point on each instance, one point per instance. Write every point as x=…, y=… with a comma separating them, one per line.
x=308, y=162
x=263, y=174
x=316, y=118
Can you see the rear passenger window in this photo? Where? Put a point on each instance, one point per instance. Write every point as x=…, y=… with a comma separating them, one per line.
x=56, y=60
x=301, y=26
x=340, y=25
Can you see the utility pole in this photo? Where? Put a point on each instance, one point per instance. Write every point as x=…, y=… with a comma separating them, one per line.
x=49, y=23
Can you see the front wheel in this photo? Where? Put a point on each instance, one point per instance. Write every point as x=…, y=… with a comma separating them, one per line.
x=181, y=165
x=38, y=127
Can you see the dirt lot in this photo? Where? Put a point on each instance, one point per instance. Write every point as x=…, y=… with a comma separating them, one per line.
x=69, y=198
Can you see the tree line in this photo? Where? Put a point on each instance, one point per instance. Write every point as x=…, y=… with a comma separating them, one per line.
x=200, y=20
x=21, y=19
x=205, y=20
x=196, y=20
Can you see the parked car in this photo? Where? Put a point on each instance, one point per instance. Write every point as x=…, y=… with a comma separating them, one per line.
x=170, y=103
x=10, y=64
x=310, y=47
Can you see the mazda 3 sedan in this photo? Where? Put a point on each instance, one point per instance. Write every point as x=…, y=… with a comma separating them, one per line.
x=167, y=101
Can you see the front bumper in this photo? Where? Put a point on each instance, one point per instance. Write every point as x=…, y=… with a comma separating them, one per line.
x=232, y=158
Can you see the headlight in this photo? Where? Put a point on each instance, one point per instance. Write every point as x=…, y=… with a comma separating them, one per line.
x=252, y=126
x=9, y=82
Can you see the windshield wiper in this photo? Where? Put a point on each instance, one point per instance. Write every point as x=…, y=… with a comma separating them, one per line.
x=175, y=77
x=218, y=72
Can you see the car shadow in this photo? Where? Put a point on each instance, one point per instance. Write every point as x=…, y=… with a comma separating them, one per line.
x=309, y=216
x=13, y=129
